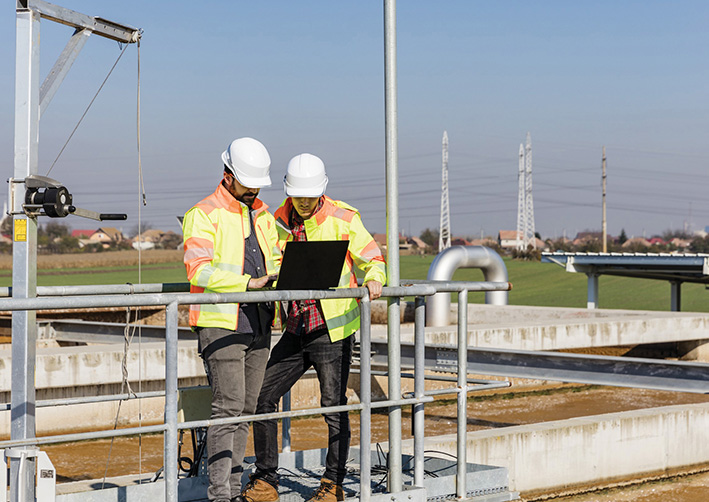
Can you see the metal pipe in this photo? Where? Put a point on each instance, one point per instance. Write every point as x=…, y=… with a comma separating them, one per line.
x=107, y=289
x=83, y=436
x=419, y=388
x=285, y=423
x=462, y=445
x=469, y=388
x=170, y=455
x=11, y=304
x=365, y=398
x=392, y=191
x=453, y=258
x=183, y=287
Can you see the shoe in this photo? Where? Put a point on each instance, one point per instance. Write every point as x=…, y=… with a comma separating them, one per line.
x=258, y=490
x=328, y=492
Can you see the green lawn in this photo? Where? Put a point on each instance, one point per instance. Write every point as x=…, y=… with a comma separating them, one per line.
x=549, y=285
x=534, y=283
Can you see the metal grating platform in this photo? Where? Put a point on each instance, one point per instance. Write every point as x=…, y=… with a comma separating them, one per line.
x=300, y=476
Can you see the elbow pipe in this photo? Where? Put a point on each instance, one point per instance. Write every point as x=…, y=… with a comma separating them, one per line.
x=444, y=266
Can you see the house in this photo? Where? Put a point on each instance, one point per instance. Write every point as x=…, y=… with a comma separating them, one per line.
x=681, y=244
x=586, y=237
x=82, y=234
x=507, y=239
x=151, y=235
x=381, y=240
x=106, y=236
x=417, y=242
x=486, y=241
x=155, y=238
x=635, y=243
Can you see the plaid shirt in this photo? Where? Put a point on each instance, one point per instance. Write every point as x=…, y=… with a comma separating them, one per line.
x=306, y=310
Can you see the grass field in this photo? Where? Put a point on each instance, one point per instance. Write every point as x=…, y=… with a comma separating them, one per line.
x=534, y=283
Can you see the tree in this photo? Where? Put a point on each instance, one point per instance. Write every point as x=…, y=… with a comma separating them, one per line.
x=144, y=225
x=700, y=245
x=622, y=237
x=591, y=246
x=6, y=225
x=56, y=230
x=430, y=237
x=668, y=235
x=170, y=240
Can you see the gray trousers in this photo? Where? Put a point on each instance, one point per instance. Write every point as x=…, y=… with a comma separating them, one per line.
x=235, y=365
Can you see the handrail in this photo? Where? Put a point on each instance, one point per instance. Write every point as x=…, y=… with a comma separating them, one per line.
x=171, y=426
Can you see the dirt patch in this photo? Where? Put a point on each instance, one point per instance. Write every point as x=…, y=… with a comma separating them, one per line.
x=123, y=258
x=88, y=460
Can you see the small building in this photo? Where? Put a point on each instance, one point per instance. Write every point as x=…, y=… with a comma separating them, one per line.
x=635, y=243
x=82, y=234
x=106, y=236
x=681, y=243
x=507, y=239
x=381, y=240
x=155, y=238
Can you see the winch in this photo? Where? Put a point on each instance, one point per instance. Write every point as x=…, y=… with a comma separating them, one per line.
x=46, y=196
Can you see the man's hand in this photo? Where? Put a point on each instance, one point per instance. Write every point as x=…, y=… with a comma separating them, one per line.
x=375, y=289
x=260, y=282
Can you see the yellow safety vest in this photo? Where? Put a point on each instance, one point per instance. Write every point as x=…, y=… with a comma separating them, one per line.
x=214, y=231
x=337, y=220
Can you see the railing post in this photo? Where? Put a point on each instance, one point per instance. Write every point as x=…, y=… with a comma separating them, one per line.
x=462, y=392
x=285, y=424
x=419, y=388
x=170, y=457
x=365, y=397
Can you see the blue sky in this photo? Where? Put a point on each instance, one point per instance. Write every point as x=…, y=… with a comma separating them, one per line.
x=309, y=77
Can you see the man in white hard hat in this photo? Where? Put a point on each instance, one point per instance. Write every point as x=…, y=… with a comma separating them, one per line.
x=318, y=333
x=231, y=245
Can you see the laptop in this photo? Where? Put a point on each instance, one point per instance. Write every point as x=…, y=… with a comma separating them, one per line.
x=312, y=264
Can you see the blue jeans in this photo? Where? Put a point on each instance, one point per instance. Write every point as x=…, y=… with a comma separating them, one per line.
x=235, y=364
x=292, y=356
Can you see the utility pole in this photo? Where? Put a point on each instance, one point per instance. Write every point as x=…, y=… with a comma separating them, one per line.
x=530, y=237
x=444, y=233
x=603, y=183
x=521, y=220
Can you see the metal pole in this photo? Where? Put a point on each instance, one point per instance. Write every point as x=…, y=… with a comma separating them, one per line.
x=392, y=187
x=285, y=424
x=462, y=392
x=419, y=388
x=24, y=249
x=603, y=223
x=592, y=292
x=675, y=296
x=365, y=397
x=170, y=458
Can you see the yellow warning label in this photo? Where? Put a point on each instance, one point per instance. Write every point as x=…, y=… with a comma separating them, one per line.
x=20, y=230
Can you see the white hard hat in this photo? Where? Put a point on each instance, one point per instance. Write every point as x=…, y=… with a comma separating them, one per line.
x=249, y=162
x=305, y=176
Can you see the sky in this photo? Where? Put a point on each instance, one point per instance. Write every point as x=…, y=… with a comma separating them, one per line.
x=308, y=76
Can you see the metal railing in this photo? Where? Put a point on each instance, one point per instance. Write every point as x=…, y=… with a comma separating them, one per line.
x=171, y=426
